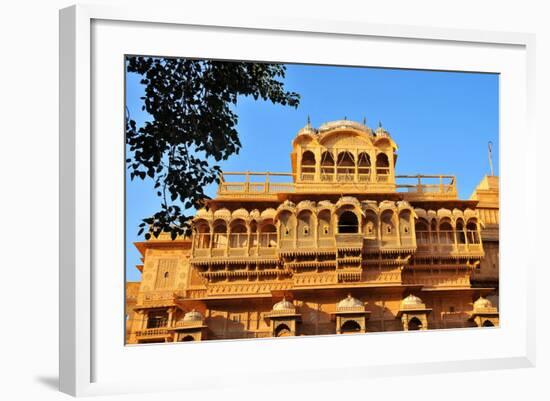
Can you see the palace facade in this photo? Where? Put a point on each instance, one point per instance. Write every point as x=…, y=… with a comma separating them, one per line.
x=340, y=245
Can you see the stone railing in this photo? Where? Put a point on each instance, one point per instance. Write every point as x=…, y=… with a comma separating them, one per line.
x=349, y=309
x=444, y=242
x=349, y=240
x=485, y=309
x=153, y=332
x=281, y=312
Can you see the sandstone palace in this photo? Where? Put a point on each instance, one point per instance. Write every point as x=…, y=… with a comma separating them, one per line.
x=340, y=245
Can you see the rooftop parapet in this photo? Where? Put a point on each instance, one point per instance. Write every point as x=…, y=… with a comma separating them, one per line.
x=267, y=186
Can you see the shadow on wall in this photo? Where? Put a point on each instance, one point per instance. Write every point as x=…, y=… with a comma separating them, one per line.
x=315, y=321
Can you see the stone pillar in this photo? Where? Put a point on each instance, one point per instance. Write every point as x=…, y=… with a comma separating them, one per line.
x=317, y=164
x=356, y=172
x=299, y=164
x=170, y=317
x=397, y=226
x=228, y=237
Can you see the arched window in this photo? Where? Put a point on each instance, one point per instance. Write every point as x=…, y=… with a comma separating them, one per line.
x=345, y=166
x=446, y=232
x=156, y=319
x=472, y=232
x=488, y=323
x=202, y=236
x=325, y=229
x=389, y=233
x=305, y=225
x=371, y=225
x=422, y=232
x=268, y=236
x=363, y=167
x=347, y=223
x=188, y=338
x=460, y=235
x=287, y=226
x=327, y=166
x=238, y=235
x=220, y=234
x=405, y=223
x=308, y=166
x=414, y=324
x=382, y=167
x=282, y=330
x=351, y=326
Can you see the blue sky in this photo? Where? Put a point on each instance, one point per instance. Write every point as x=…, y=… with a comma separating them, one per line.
x=441, y=122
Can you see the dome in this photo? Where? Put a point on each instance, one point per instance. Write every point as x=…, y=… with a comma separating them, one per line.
x=411, y=301
x=348, y=200
x=222, y=213
x=192, y=316
x=308, y=129
x=240, y=213
x=306, y=204
x=349, y=302
x=344, y=124
x=325, y=203
x=203, y=213
x=381, y=131
x=255, y=214
x=268, y=213
x=482, y=303
x=283, y=306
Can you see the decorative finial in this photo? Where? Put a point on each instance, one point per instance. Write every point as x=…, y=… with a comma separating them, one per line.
x=308, y=120
x=490, y=146
x=345, y=118
x=379, y=124
x=364, y=120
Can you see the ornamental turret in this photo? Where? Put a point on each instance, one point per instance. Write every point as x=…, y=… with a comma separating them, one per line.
x=343, y=154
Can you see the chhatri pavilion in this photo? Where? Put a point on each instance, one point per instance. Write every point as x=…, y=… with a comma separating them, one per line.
x=342, y=244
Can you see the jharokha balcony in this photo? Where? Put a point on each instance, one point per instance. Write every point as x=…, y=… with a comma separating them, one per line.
x=239, y=241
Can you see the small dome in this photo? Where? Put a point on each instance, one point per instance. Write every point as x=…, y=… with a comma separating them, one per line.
x=240, y=213
x=325, y=203
x=307, y=129
x=350, y=302
x=192, y=316
x=203, y=213
x=344, y=124
x=283, y=305
x=268, y=213
x=348, y=200
x=482, y=303
x=306, y=204
x=411, y=301
x=381, y=131
x=222, y=213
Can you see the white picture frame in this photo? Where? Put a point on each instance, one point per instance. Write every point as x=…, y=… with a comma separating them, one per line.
x=91, y=363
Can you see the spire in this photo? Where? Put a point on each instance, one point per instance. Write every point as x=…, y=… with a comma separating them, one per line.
x=308, y=120
x=365, y=121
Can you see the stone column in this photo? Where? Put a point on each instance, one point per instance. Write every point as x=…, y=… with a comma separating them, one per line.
x=170, y=317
